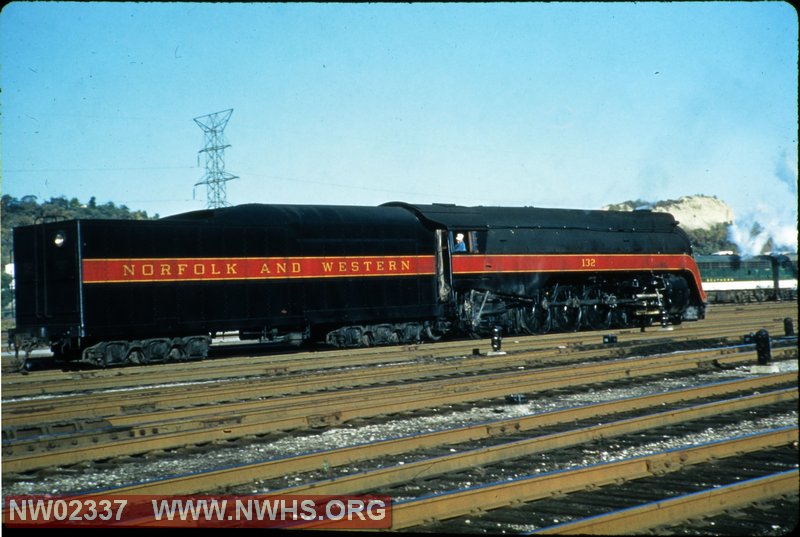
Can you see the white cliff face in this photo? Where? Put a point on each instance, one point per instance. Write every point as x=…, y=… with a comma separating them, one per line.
x=692, y=212
x=699, y=212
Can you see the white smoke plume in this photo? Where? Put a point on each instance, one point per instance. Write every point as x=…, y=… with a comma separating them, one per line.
x=775, y=219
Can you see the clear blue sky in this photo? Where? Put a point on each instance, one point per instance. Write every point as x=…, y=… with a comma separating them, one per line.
x=546, y=104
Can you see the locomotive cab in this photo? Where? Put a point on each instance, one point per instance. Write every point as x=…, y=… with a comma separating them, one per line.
x=533, y=270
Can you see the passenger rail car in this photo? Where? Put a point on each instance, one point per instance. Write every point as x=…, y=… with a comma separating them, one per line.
x=733, y=278
x=113, y=292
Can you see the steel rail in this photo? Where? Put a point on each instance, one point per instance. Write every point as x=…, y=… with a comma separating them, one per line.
x=105, y=405
x=238, y=419
x=159, y=379
x=484, y=498
x=43, y=383
x=17, y=385
x=159, y=374
x=266, y=364
x=152, y=381
x=216, y=479
x=438, y=391
x=393, y=475
x=674, y=510
x=162, y=418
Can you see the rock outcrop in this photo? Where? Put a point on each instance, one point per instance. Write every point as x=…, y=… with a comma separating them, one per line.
x=693, y=212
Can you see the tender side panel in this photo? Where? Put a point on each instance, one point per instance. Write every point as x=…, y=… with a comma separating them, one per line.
x=235, y=291
x=292, y=270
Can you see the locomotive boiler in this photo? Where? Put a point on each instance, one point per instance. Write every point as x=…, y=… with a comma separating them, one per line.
x=112, y=292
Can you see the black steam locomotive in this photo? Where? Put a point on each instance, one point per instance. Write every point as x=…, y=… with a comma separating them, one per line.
x=112, y=292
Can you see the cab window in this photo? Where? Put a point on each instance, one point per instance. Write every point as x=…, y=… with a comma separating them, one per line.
x=464, y=242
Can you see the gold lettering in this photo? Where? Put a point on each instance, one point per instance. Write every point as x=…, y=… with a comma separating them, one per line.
x=166, y=270
x=342, y=266
x=182, y=268
x=327, y=266
x=295, y=267
x=354, y=266
x=265, y=269
x=199, y=269
x=148, y=270
x=368, y=265
x=230, y=268
x=393, y=266
x=379, y=266
x=128, y=270
x=281, y=268
x=405, y=264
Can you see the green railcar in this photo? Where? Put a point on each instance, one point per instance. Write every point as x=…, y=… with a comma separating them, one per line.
x=734, y=278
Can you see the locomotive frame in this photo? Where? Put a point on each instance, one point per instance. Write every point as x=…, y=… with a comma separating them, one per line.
x=111, y=292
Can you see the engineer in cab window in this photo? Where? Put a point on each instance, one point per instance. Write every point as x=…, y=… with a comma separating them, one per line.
x=460, y=246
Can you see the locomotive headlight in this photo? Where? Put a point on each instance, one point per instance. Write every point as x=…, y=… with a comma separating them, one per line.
x=59, y=239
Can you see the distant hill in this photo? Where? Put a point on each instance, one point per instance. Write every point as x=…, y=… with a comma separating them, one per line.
x=692, y=212
x=706, y=219
x=28, y=210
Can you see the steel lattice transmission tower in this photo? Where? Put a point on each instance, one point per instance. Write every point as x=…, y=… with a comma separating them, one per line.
x=215, y=178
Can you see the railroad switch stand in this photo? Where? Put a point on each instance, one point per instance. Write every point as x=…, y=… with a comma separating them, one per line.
x=497, y=342
x=497, y=339
x=763, y=347
x=788, y=327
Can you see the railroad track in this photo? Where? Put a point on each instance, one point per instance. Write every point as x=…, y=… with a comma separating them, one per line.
x=173, y=419
x=766, y=392
x=484, y=432
x=138, y=433
x=725, y=321
x=110, y=403
x=649, y=467
x=49, y=414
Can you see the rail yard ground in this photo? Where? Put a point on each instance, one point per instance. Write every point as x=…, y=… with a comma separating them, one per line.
x=672, y=431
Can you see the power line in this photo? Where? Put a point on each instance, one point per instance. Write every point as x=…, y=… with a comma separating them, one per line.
x=139, y=168
x=428, y=194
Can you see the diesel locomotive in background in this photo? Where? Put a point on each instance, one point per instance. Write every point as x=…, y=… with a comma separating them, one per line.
x=115, y=291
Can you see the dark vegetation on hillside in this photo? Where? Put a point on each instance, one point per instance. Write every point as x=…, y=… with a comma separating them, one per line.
x=28, y=210
x=709, y=241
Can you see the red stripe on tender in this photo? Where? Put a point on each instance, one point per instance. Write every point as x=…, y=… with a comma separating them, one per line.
x=249, y=268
